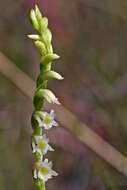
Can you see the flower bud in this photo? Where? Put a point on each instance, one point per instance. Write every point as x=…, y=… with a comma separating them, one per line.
x=38, y=14
x=49, y=48
x=44, y=93
x=34, y=36
x=48, y=58
x=48, y=75
x=33, y=20
x=47, y=36
x=41, y=47
x=43, y=24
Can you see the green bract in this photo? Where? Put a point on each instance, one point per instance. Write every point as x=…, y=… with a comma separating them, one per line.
x=40, y=119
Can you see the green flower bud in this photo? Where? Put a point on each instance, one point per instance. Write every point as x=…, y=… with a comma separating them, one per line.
x=41, y=47
x=44, y=93
x=38, y=14
x=47, y=36
x=51, y=74
x=43, y=24
x=48, y=58
x=49, y=48
x=34, y=36
x=33, y=20
x=48, y=75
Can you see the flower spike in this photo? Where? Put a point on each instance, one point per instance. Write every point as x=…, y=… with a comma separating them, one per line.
x=40, y=119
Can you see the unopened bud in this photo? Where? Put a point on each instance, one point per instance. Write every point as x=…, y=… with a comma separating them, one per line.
x=38, y=14
x=48, y=75
x=34, y=36
x=41, y=47
x=33, y=20
x=48, y=58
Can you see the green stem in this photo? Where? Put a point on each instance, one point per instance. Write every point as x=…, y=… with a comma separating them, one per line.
x=40, y=184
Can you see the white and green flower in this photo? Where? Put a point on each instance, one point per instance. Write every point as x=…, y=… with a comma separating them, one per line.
x=48, y=120
x=46, y=93
x=40, y=144
x=43, y=170
x=49, y=96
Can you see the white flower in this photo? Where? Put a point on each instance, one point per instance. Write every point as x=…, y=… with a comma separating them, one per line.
x=48, y=120
x=43, y=170
x=40, y=144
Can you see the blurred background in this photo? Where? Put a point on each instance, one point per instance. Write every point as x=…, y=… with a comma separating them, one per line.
x=91, y=38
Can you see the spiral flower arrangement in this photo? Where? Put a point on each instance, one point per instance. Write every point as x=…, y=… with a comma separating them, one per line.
x=42, y=170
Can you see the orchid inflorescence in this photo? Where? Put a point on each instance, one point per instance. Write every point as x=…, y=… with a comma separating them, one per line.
x=42, y=170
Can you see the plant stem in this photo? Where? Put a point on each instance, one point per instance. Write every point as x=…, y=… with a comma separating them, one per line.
x=40, y=184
